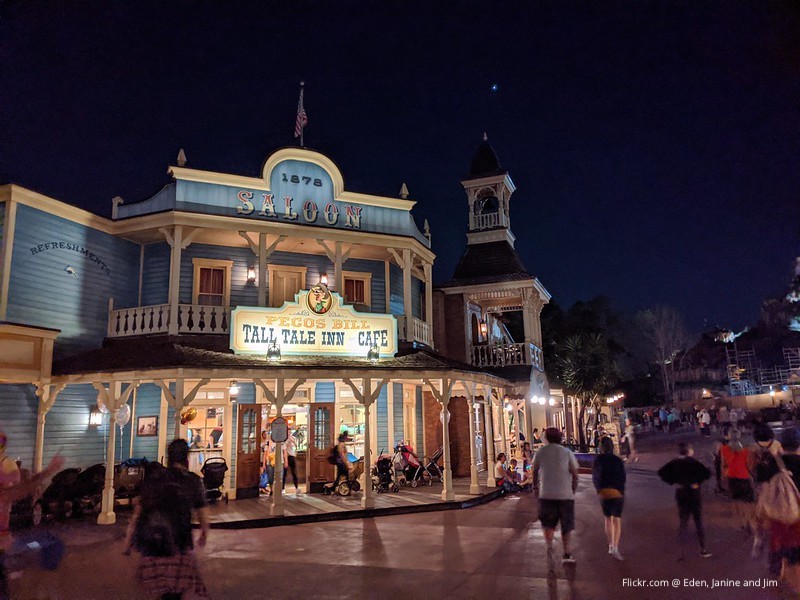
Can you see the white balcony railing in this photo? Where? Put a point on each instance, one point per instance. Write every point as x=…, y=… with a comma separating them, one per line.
x=506, y=355
x=415, y=331
x=487, y=221
x=146, y=320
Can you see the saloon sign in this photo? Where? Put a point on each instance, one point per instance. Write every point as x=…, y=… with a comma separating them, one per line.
x=316, y=323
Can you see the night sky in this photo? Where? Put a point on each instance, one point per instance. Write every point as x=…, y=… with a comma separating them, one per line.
x=655, y=146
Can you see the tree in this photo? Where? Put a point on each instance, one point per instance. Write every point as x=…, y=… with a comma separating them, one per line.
x=584, y=363
x=665, y=340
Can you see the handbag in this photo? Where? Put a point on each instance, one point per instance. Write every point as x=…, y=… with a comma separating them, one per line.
x=609, y=493
x=263, y=482
x=778, y=498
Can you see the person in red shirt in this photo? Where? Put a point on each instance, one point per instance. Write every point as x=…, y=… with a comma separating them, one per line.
x=735, y=472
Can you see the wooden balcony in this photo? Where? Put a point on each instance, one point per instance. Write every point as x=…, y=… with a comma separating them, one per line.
x=507, y=355
x=414, y=330
x=148, y=320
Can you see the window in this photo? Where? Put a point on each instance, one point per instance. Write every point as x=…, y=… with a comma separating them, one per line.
x=357, y=288
x=212, y=282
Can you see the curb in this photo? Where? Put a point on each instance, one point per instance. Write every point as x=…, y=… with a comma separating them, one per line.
x=356, y=514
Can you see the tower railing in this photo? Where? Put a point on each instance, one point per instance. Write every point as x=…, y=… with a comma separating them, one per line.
x=487, y=221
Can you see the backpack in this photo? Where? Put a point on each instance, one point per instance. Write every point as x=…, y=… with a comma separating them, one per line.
x=333, y=457
x=153, y=535
x=763, y=464
x=778, y=498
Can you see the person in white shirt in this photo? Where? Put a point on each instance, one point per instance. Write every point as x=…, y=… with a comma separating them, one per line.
x=290, y=449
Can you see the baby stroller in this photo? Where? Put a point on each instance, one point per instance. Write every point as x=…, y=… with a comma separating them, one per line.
x=343, y=486
x=128, y=477
x=213, y=471
x=432, y=468
x=383, y=475
x=409, y=469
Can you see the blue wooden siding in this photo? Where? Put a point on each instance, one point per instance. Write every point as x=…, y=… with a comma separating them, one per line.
x=381, y=405
x=63, y=288
x=148, y=404
x=420, y=430
x=67, y=430
x=155, y=274
x=242, y=292
x=18, y=409
x=396, y=296
x=397, y=407
x=396, y=289
x=325, y=391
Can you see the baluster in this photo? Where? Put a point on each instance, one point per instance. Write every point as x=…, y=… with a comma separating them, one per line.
x=224, y=319
x=150, y=322
x=190, y=322
x=116, y=327
x=201, y=323
x=125, y=327
x=160, y=317
x=180, y=317
x=213, y=323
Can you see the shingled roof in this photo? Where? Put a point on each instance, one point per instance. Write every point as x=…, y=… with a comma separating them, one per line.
x=485, y=163
x=491, y=262
x=163, y=352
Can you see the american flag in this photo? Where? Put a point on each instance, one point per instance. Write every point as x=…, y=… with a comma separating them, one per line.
x=302, y=119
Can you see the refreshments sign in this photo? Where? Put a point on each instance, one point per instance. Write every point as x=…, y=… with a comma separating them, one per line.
x=316, y=323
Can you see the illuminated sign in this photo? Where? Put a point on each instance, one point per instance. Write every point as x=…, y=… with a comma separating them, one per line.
x=316, y=323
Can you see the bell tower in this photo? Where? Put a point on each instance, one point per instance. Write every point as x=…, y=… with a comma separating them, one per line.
x=489, y=188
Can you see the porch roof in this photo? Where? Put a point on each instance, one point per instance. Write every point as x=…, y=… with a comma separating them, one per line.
x=166, y=354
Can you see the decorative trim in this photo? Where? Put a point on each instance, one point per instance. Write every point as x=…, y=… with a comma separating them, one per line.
x=493, y=235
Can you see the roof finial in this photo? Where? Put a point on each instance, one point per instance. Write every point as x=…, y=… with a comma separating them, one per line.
x=181, y=158
x=404, y=191
x=427, y=229
x=485, y=137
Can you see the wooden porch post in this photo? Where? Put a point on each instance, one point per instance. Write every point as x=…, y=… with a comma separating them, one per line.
x=488, y=417
x=176, y=241
x=113, y=399
x=279, y=399
x=428, y=270
x=474, y=486
x=47, y=395
x=366, y=398
x=443, y=398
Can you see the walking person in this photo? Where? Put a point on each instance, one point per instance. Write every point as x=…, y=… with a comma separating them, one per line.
x=688, y=474
x=290, y=449
x=608, y=476
x=161, y=529
x=762, y=466
x=734, y=471
x=785, y=537
x=630, y=437
x=555, y=478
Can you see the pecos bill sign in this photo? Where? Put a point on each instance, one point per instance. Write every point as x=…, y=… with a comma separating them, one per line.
x=315, y=323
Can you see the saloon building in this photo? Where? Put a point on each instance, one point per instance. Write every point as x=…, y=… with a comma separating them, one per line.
x=226, y=301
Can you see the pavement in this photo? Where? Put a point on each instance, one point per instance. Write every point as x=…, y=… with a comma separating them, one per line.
x=491, y=551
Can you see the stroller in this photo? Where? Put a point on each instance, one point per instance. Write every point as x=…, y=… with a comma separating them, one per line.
x=213, y=471
x=128, y=477
x=383, y=475
x=409, y=470
x=343, y=486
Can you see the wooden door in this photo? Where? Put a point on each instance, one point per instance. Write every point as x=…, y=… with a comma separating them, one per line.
x=285, y=284
x=248, y=451
x=320, y=431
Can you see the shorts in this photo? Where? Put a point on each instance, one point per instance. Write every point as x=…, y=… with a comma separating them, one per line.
x=551, y=512
x=612, y=507
x=741, y=489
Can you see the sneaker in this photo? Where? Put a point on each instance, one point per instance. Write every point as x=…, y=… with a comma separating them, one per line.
x=705, y=554
x=617, y=555
x=611, y=549
x=567, y=558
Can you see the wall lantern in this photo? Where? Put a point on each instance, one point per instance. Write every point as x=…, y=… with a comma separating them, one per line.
x=323, y=279
x=95, y=417
x=273, y=351
x=483, y=328
x=552, y=401
x=251, y=274
x=374, y=353
x=233, y=390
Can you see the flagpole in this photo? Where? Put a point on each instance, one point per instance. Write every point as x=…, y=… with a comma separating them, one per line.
x=302, y=129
